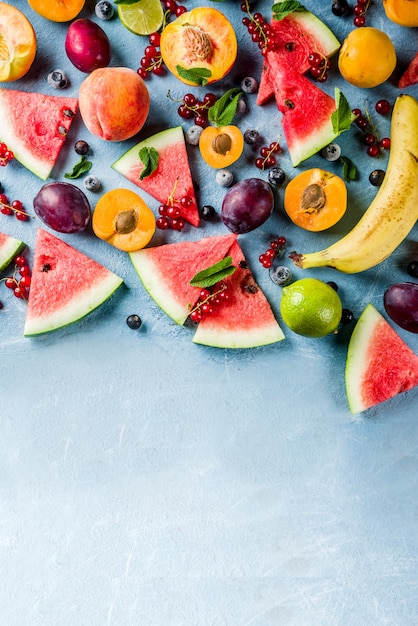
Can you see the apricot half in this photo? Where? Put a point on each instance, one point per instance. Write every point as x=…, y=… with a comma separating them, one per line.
x=122, y=218
x=315, y=199
x=57, y=10
x=402, y=12
x=220, y=146
x=199, y=46
x=17, y=43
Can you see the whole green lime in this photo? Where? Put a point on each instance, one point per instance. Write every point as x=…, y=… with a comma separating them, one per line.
x=311, y=307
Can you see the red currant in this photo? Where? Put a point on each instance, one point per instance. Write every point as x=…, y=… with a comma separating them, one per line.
x=373, y=151
x=382, y=107
x=385, y=143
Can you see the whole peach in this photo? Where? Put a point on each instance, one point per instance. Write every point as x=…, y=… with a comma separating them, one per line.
x=114, y=103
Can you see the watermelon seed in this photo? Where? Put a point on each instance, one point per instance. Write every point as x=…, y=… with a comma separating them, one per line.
x=46, y=267
x=62, y=130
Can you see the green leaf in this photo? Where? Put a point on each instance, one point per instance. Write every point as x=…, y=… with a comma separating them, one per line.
x=282, y=9
x=149, y=157
x=222, y=112
x=125, y=1
x=80, y=168
x=213, y=274
x=343, y=117
x=197, y=75
x=350, y=171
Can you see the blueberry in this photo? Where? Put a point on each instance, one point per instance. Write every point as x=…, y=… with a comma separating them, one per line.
x=57, y=79
x=91, y=183
x=241, y=106
x=333, y=284
x=276, y=176
x=412, y=269
x=331, y=152
x=81, y=147
x=339, y=7
x=134, y=321
x=376, y=177
x=104, y=10
x=224, y=178
x=249, y=85
x=251, y=136
x=347, y=316
x=207, y=212
x=280, y=275
x=193, y=134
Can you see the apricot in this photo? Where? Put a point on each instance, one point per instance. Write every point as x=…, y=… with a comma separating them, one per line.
x=114, y=103
x=220, y=146
x=315, y=199
x=355, y=62
x=57, y=10
x=17, y=43
x=200, y=39
x=402, y=12
x=122, y=218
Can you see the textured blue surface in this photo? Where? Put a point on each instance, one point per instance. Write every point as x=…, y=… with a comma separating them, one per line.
x=147, y=480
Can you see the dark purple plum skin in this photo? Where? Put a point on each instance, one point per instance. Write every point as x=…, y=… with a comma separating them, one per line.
x=87, y=45
x=63, y=207
x=401, y=304
x=247, y=205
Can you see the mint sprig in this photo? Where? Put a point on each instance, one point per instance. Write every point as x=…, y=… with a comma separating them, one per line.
x=81, y=167
x=282, y=9
x=149, y=157
x=222, y=112
x=343, y=117
x=196, y=75
x=350, y=171
x=213, y=274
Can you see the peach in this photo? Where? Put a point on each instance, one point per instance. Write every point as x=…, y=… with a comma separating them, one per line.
x=57, y=10
x=114, y=103
x=18, y=43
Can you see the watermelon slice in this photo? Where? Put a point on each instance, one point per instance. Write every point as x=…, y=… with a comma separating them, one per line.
x=66, y=285
x=34, y=126
x=297, y=98
x=166, y=271
x=295, y=37
x=172, y=177
x=245, y=320
x=379, y=363
x=9, y=248
x=410, y=76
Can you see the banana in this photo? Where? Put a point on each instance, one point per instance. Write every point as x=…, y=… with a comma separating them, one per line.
x=393, y=211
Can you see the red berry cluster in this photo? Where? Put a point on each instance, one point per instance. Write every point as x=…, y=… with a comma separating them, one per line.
x=370, y=135
x=170, y=213
x=16, y=207
x=260, y=30
x=275, y=250
x=208, y=300
x=360, y=10
x=152, y=61
x=191, y=107
x=174, y=8
x=267, y=158
x=6, y=155
x=318, y=66
x=21, y=279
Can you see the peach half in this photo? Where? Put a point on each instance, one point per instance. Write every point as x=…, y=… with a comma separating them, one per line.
x=57, y=10
x=17, y=43
x=200, y=46
x=114, y=103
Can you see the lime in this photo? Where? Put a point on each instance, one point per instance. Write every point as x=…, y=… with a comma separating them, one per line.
x=143, y=17
x=311, y=307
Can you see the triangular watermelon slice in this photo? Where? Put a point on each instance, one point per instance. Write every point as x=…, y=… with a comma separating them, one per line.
x=379, y=363
x=296, y=36
x=410, y=75
x=245, y=320
x=9, y=248
x=306, y=110
x=66, y=285
x=166, y=271
x=172, y=177
x=34, y=126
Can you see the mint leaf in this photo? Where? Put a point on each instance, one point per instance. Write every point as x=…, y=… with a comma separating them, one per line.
x=197, y=75
x=80, y=168
x=213, y=274
x=282, y=9
x=343, y=117
x=350, y=171
x=149, y=157
x=222, y=112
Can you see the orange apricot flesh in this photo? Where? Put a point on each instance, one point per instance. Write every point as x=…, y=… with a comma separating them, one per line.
x=315, y=199
x=18, y=43
x=57, y=10
x=220, y=146
x=124, y=220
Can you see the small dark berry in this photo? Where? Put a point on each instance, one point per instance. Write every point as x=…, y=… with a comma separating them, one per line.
x=276, y=176
x=134, y=322
x=413, y=269
x=207, y=212
x=376, y=177
x=251, y=136
x=347, y=316
x=333, y=284
x=81, y=147
x=339, y=7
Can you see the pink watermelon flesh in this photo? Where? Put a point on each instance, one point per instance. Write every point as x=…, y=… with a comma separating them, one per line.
x=410, y=76
x=379, y=363
x=9, y=248
x=166, y=271
x=66, y=285
x=295, y=37
x=306, y=110
x=172, y=178
x=245, y=320
x=34, y=126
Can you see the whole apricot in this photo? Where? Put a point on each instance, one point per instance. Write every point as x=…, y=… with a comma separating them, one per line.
x=18, y=43
x=114, y=103
x=402, y=12
x=367, y=57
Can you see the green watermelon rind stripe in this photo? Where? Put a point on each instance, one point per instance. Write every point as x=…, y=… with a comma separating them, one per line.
x=239, y=337
x=79, y=307
x=309, y=145
x=8, y=250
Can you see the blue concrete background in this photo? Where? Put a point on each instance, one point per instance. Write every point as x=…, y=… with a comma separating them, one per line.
x=145, y=480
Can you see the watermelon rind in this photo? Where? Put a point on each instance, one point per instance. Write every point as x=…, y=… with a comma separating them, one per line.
x=9, y=248
x=379, y=363
x=74, y=287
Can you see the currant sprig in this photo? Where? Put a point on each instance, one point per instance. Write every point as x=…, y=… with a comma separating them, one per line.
x=15, y=207
x=208, y=300
x=190, y=106
x=267, y=158
x=370, y=133
x=259, y=29
x=20, y=280
x=360, y=9
x=6, y=155
x=275, y=250
x=170, y=211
